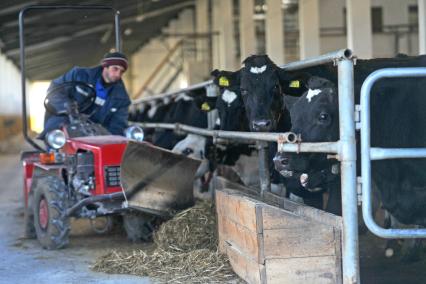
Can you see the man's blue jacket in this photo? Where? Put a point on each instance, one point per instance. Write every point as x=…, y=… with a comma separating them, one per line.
x=113, y=114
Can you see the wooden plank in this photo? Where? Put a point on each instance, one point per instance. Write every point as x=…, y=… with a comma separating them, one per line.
x=306, y=270
x=308, y=240
x=221, y=236
x=303, y=210
x=338, y=246
x=238, y=208
x=245, y=240
x=276, y=218
x=247, y=269
x=281, y=202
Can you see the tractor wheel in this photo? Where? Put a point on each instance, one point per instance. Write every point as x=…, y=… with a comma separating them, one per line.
x=138, y=227
x=29, y=230
x=50, y=204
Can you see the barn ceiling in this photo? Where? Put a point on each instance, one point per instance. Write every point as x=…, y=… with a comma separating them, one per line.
x=56, y=40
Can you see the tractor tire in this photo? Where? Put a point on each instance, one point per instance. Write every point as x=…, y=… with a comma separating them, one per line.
x=29, y=229
x=50, y=203
x=138, y=227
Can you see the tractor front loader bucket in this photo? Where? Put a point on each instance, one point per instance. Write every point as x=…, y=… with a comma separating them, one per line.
x=156, y=180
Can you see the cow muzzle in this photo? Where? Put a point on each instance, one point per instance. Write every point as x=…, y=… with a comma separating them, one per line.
x=262, y=125
x=281, y=164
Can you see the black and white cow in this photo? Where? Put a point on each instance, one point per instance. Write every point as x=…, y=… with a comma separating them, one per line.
x=397, y=119
x=231, y=116
x=263, y=87
x=187, y=110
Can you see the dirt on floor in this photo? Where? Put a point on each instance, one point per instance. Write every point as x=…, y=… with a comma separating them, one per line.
x=23, y=259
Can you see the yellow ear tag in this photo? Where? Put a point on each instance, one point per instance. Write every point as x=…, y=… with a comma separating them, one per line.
x=223, y=82
x=295, y=84
x=205, y=106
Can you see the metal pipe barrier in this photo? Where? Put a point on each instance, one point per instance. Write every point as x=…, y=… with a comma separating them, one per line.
x=173, y=93
x=309, y=62
x=290, y=144
x=345, y=148
x=369, y=153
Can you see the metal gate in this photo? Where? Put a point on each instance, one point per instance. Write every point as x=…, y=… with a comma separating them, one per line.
x=369, y=153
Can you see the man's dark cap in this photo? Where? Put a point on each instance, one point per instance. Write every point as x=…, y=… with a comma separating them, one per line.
x=115, y=58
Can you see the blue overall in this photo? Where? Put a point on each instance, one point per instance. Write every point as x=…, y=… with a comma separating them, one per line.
x=110, y=109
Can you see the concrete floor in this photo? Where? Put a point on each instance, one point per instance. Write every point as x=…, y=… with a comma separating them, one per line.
x=24, y=261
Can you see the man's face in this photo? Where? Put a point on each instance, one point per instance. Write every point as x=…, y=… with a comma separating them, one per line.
x=113, y=73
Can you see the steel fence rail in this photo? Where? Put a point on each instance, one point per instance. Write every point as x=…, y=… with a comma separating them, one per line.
x=290, y=146
x=368, y=154
x=173, y=93
x=323, y=59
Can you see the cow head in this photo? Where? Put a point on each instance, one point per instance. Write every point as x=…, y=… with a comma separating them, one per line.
x=229, y=104
x=262, y=86
x=314, y=116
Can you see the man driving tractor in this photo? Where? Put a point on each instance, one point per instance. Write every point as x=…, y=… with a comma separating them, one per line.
x=110, y=108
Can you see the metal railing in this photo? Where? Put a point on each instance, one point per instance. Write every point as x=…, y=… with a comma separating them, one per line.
x=369, y=153
x=345, y=148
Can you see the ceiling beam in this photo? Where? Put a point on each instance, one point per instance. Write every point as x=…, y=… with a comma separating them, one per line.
x=99, y=28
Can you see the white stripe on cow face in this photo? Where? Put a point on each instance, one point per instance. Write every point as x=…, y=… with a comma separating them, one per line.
x=228, y=97
x=192, y=146
x=152, y=111
x=184, y=97
x=312, y=93
x=258, y=70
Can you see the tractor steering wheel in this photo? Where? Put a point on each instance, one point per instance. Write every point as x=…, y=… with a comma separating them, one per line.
x=61, y=96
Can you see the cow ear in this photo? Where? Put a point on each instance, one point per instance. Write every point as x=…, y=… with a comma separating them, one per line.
x=215, y=72
x=289, y=101
x=292, y=84
x=205, y=104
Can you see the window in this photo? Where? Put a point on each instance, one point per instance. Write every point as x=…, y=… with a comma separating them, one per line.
x=377, y=19
x=413, y=15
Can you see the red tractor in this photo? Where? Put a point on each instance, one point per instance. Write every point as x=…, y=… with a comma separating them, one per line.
x=85, y=172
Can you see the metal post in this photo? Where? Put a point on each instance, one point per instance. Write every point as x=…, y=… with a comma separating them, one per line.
x=211, y=91
x=24, y=82
x=264, y=176
x=22, y=53
x=347, y=158
x=118, y=46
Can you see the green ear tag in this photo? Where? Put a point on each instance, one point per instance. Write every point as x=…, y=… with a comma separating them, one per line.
x=295, y=84
x=223, y=81
x=205, y=106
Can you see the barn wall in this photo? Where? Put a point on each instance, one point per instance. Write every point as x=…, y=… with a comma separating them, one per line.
x=10, y=98
x=386, y=43
x=146, y=59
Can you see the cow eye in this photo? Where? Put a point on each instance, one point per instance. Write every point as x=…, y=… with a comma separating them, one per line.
x=187, y=151
x=323, y=117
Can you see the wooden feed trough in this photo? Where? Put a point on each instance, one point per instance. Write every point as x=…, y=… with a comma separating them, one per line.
x=277, y=241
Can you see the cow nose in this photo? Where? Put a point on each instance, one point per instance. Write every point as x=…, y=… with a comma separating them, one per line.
x=280, y=162
x=262, y=125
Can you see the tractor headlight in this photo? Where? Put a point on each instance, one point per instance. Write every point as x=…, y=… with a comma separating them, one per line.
x=56, y=139
x=134, y=132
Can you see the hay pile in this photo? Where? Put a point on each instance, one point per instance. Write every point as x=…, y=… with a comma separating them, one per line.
x=186, y=252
